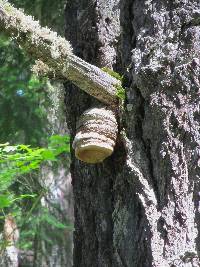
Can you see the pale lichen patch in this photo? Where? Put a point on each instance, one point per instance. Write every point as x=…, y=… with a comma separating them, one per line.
x=42, y=69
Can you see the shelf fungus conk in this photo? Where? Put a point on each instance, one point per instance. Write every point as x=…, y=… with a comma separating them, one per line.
x=96, y=135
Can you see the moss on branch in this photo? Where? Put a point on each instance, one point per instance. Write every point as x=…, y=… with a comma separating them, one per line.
x=120, y=93
x=56, y=54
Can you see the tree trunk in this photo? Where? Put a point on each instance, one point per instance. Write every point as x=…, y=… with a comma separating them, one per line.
x=9, y=255
x=140, y=207
x=59, y=199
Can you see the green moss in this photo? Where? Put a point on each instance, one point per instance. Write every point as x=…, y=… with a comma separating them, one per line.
x=113, y=73
x=120, y=90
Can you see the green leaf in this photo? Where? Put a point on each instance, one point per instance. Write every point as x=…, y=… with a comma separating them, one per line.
x=53, y=221
x=120, y=92
x=24, y=196
x=48, y=155
x=112, y=73
x=5, y=201
x=24, y=147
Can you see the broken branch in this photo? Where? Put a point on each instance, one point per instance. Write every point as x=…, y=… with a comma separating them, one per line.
x=56, y=53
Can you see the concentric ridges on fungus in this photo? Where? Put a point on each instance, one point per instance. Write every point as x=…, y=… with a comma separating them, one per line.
x=96, y=135
x=96, y=113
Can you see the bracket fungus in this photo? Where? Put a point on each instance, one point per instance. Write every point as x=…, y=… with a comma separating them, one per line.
x=96, y=135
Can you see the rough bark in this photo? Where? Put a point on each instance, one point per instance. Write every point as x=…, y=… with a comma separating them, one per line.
x=92, y=184
x=140, y=208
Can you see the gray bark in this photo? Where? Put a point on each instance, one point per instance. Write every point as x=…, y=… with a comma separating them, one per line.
x=10, y=253
x=140, y=207
x=9, y=257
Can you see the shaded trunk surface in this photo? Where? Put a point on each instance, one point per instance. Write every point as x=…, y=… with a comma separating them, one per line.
x=140, y=207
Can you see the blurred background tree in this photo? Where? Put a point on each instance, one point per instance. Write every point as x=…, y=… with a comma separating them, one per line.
x=31, y=111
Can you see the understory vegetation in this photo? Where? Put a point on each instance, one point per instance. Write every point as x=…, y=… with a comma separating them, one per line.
x=27, y=141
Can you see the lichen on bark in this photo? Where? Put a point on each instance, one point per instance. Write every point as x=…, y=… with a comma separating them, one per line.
x=152, y=190
x=141, y=206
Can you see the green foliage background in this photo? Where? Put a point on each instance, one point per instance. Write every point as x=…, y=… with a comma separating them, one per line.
x=50, y=13
x=23, y=98
x=23, y=108
x=16, y=162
